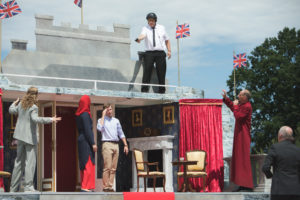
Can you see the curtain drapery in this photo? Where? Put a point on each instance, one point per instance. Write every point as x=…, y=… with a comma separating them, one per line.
x=201, y=128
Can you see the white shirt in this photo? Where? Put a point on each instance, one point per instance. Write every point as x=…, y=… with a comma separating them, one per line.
x=160, y=37
x=111, y=129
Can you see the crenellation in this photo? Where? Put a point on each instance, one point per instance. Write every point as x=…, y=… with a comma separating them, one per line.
x=66, y=24
x=19, y=44
x=83, y=26
x=44, y=21
x=122, y=29
x=102, y=29
x=82, y=40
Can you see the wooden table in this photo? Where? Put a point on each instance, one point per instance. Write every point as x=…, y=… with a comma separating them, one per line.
x=186, y=187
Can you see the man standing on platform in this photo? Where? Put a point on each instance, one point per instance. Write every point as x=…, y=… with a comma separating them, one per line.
x=285, y=159
x=111, y=130
x=156, y=40
x=241, y=173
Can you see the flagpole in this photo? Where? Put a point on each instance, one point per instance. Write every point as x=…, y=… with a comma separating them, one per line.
x=0, y=42
x=81, y=11
x=178, y=59
x=234, y=92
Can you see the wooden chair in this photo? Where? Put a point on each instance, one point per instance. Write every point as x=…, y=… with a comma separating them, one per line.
x=142, y=169
x=198, y=170
x=7, y=175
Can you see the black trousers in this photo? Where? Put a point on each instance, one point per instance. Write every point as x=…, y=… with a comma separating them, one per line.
x=284, y=197
x=159, y=58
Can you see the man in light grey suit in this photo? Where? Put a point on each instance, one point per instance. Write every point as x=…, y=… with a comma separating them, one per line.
x=27, y=138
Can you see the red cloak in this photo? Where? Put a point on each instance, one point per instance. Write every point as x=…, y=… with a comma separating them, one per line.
x=241, y=172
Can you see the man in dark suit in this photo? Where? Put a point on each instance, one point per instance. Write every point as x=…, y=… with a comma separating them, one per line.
x=285, y=159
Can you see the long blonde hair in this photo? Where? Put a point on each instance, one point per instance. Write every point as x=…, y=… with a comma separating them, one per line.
x=30, y=98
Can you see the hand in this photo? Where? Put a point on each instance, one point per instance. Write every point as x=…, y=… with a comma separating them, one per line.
x=224, y=94
x=137, y=40
x=16, y=101
x=95, y=148
x=126, y=149
x=235, y=102
x=104, y=112
x=56, y=119
x=14, y=143
x=169, y=54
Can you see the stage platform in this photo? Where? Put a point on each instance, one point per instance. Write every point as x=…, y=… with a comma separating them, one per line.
x=119, y=196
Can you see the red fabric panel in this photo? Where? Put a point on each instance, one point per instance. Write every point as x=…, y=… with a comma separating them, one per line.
x=1, y=137
x=88, y=176
x=201, y=128
x=149, y=195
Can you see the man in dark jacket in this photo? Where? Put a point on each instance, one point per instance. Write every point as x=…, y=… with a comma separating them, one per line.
x=285, y=159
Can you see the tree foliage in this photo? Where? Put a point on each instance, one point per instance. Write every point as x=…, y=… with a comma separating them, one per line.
x=273, y=78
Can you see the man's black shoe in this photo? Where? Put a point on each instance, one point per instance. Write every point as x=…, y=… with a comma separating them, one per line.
x=242, y=189
x=245, y=189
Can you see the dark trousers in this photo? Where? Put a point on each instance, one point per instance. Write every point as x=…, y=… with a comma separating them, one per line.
x=159, y=58
x=285, y=197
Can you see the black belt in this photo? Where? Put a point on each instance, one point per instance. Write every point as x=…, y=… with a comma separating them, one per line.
x=155, y=51
x=116, y=142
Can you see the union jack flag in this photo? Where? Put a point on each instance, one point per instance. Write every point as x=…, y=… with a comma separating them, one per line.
x=182, y=31
x=78, y=3
x=239, y=60
x=9, y=9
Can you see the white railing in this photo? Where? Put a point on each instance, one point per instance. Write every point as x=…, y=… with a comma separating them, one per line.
x=86, y=80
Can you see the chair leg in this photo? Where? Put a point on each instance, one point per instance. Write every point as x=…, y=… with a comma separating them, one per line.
x=154, y=183
x=138, y=184
x=178, y=183
x=145, y=186
x=204, y=186
x=8, y=185
x=164, y=183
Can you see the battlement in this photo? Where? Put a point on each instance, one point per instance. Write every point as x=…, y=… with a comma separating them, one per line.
x=46, y=22
x=82, y=40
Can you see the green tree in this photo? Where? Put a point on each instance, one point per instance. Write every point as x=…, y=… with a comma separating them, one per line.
x=273, y=78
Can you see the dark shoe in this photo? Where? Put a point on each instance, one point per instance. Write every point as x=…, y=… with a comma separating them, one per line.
x=85, y=190
x=242, y=189
x=245, y=189
x=111, y=190
x=161, y=91
x=236, y=189
x=145, y=89
x=106, y=190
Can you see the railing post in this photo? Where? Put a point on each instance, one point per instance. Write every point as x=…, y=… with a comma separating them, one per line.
x=95, y=85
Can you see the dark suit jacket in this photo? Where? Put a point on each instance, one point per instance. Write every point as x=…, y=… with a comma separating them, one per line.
x=285, y=159
x=85, y=139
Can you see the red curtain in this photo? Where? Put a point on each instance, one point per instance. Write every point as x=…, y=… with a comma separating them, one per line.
x=201, y=128
x=1, y=138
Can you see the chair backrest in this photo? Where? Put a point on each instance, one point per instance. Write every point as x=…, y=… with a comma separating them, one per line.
x=196, y=155
x=139, y=157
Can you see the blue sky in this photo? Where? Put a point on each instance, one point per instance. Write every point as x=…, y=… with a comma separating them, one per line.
x=217, y=28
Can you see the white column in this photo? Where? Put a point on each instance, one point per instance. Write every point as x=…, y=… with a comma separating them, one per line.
x=168, y=169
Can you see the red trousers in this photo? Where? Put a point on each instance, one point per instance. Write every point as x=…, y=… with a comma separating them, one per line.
x=88, y=176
